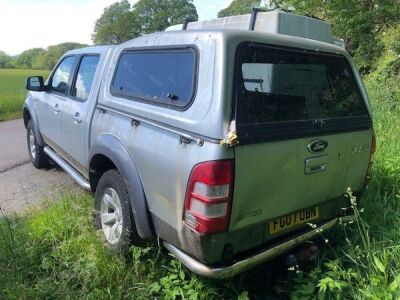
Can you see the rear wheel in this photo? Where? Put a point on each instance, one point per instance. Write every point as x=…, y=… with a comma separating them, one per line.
x=36, y=152
x=114, y=218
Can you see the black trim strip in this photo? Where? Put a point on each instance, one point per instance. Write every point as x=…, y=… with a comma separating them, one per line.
x=251, y=133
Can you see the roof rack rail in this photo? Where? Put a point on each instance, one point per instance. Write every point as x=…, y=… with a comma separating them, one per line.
x=275, y=21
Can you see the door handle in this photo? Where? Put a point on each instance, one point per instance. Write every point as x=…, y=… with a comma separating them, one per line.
x=315, y=169
x=56, y=108
x=77, y=118
x=316, y=164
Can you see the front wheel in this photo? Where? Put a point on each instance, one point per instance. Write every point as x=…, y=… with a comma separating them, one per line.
x=114, y=218
x=36, y=152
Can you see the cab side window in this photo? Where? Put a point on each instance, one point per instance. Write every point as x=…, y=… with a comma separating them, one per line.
x=84, y=78
x=59, y=80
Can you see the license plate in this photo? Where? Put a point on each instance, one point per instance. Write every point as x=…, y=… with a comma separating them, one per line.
x=294, y=219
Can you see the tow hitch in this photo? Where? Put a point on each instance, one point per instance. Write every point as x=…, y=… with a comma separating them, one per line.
x=302, y=256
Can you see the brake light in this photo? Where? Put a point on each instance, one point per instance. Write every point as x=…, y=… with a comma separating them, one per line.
x=208, y=198
x=369, y=169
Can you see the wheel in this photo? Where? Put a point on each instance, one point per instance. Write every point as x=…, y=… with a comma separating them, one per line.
x=113, y=217
x=38, y=157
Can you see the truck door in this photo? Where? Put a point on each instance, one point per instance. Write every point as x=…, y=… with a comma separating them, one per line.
x=50, y=104
x=75, y=119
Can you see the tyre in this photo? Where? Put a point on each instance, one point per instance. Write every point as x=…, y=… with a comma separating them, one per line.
x=36, y=152
x=113, y=217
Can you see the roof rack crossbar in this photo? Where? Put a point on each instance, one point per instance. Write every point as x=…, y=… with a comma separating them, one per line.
x=253, y=17
x=185, y=23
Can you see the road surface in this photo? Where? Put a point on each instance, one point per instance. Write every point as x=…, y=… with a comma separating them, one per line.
x=21, y=185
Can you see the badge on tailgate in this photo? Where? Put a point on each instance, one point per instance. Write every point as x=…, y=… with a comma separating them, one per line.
x=294, y=219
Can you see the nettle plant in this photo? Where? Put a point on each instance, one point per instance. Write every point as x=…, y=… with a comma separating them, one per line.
x=359, y=269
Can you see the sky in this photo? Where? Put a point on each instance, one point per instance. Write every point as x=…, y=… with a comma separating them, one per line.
x=26, y=24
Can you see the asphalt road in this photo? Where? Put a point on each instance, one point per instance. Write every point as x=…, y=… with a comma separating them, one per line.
x=21, y=185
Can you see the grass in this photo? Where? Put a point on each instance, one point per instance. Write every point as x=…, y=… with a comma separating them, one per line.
x=55, y=252
x=12, y=91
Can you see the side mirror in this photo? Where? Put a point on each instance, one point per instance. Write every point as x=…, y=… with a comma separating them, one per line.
x=35, y=84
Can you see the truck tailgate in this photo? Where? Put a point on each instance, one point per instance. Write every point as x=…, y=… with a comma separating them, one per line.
x=305, y=135
x=277, y=178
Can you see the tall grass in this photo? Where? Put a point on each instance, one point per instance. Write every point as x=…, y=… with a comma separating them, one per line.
x=12, y=91
x=54, y=253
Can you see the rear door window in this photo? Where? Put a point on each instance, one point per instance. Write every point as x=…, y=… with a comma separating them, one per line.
x=84, y=78
x=279, y=89
x=164, y=77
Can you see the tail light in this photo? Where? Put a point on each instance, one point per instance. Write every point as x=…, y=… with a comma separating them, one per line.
x=208, y=199
x=369, y=170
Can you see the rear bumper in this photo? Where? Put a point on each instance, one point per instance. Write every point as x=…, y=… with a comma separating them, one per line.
x=252, y=261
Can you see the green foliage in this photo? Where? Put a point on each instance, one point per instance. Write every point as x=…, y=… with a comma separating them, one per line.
x=116, y=25
x=156, y=15
x=28, y=59
x=239, y=7
x=12, y=91
x=366, y=268
x=37, y=58
x=54, y=252
x=360, y=23
x=5, y=60
x=121, y=22
x=48, y=59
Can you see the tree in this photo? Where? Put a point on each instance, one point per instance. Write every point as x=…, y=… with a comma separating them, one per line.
x=359, y=22
x=48, y=59
x=115, y=25
x=5, y=60
x=239, y=7
x=157, y=15
x=27, y=59
x=121, y=22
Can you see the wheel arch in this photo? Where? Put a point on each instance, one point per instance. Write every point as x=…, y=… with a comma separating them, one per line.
x=108, y=152
x=29, y=113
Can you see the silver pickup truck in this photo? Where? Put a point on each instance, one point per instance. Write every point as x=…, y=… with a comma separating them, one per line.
x=222, y=142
